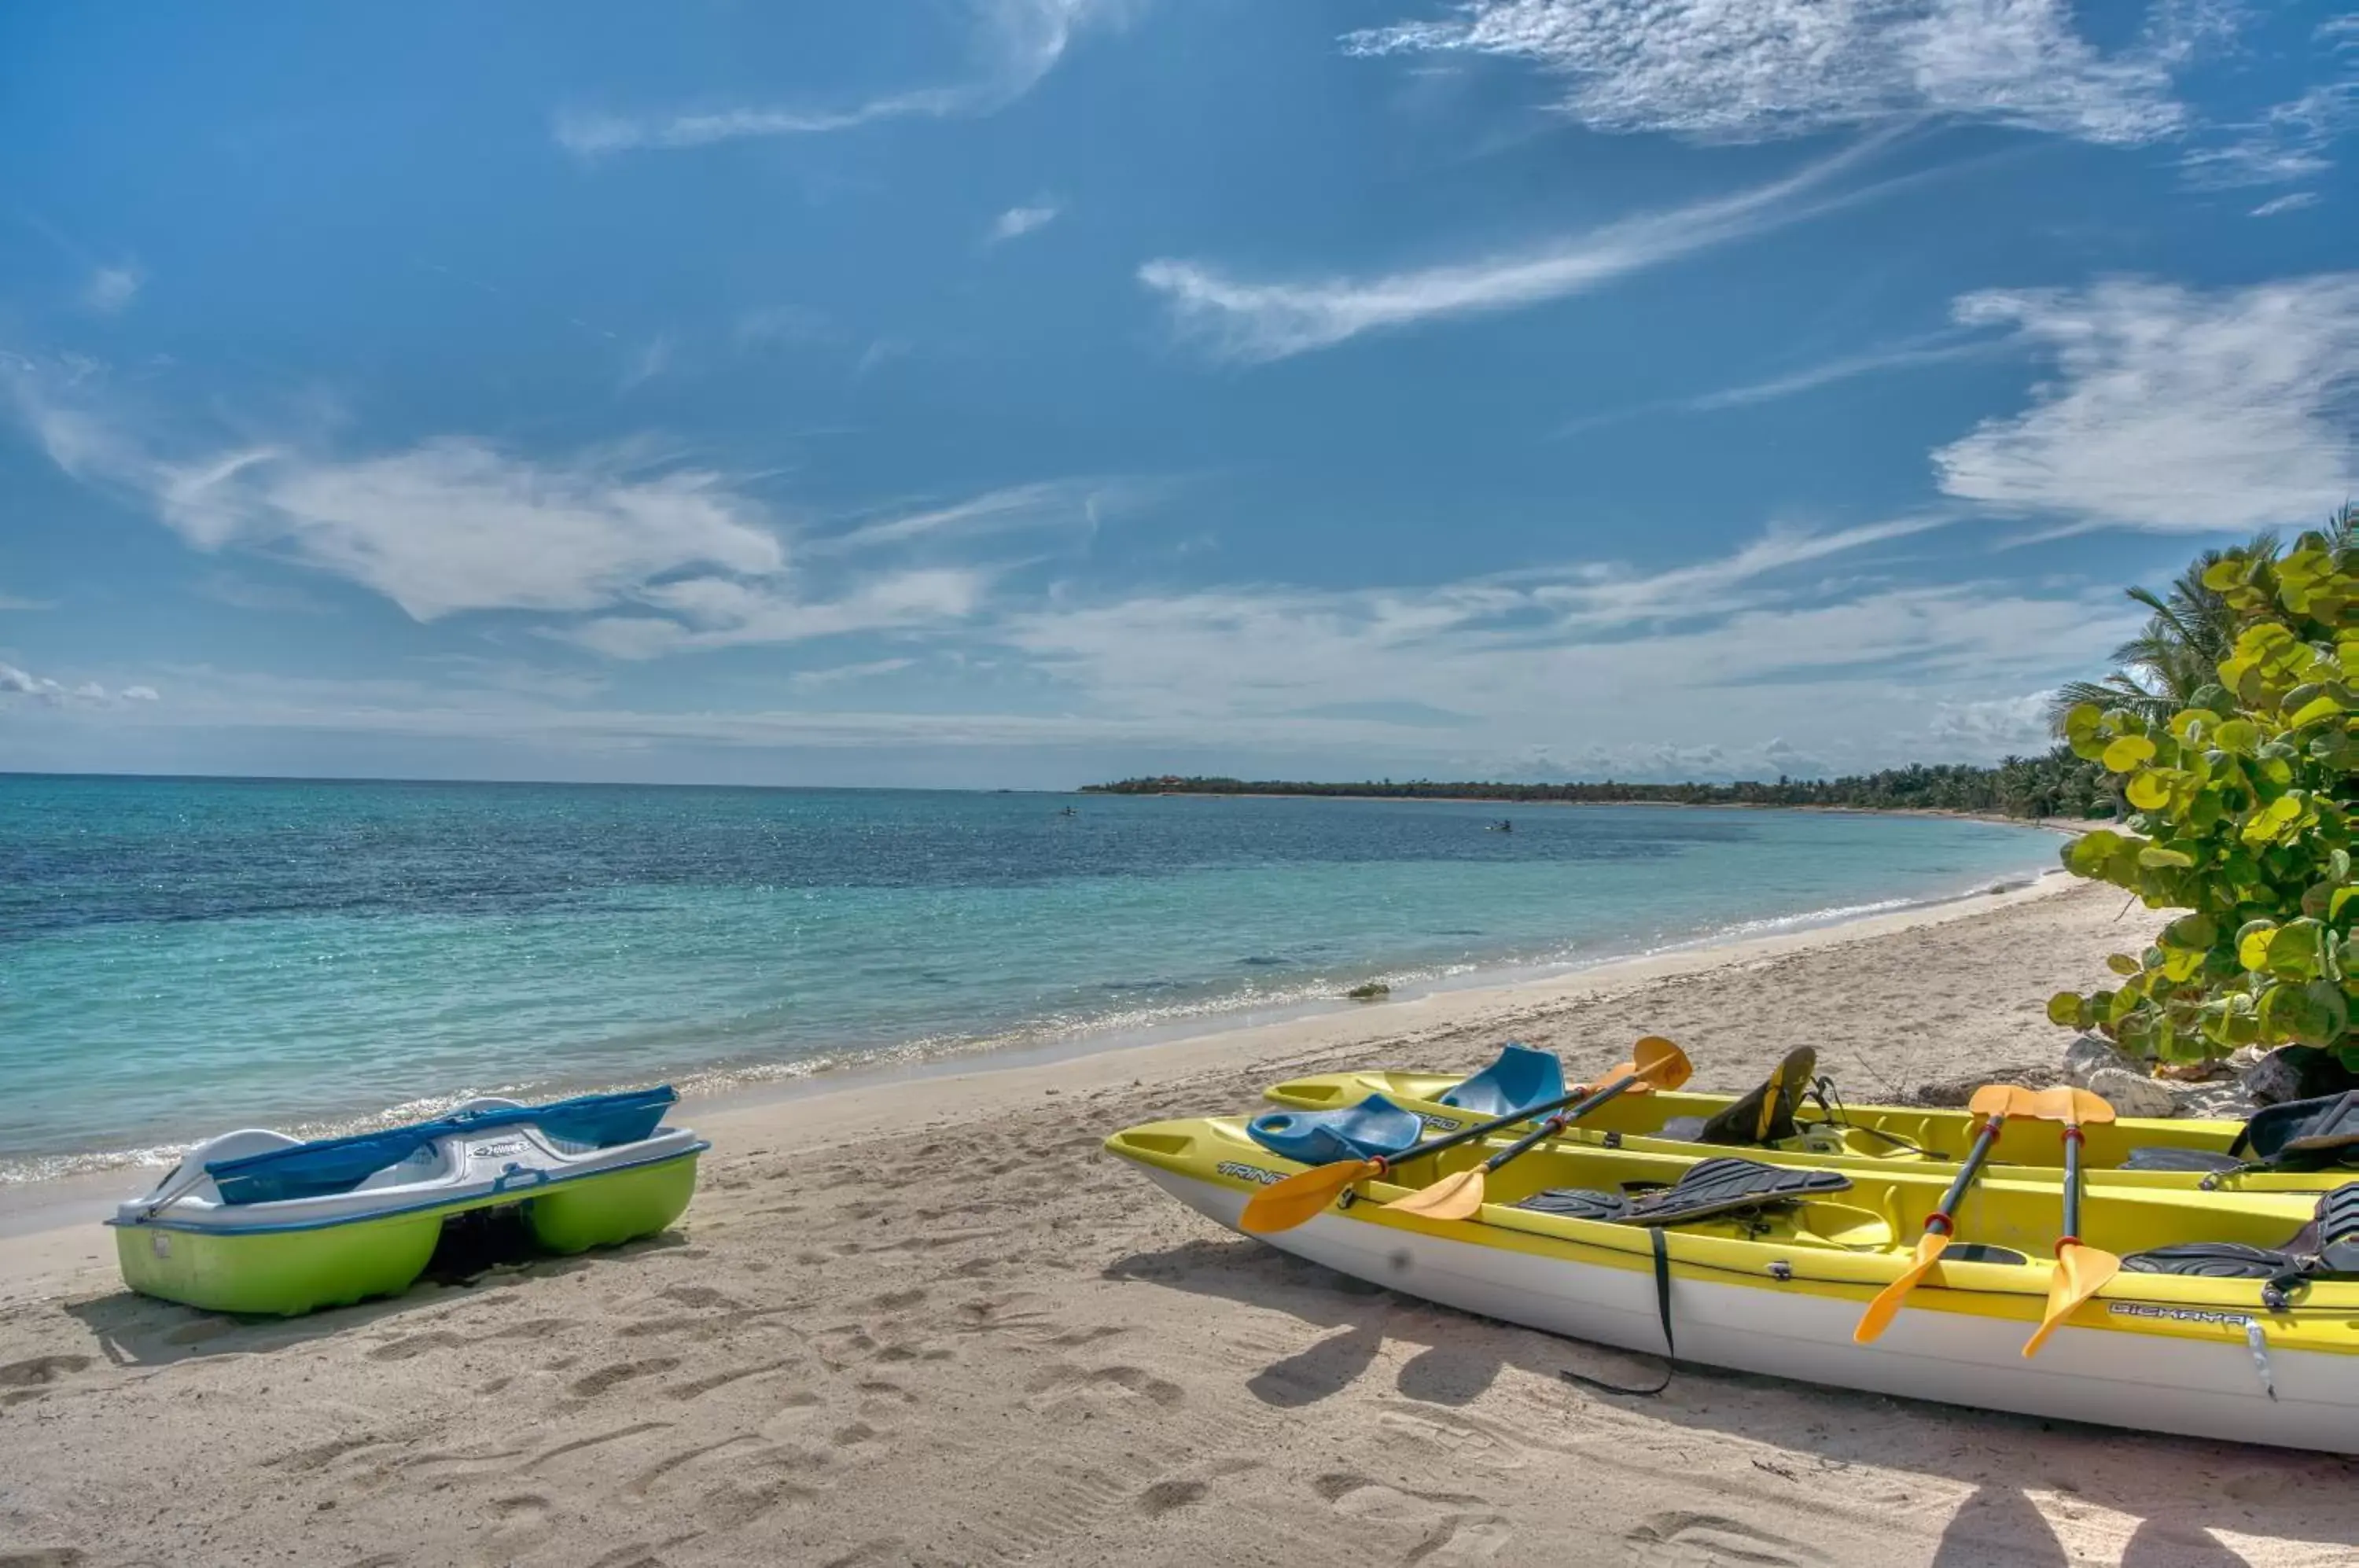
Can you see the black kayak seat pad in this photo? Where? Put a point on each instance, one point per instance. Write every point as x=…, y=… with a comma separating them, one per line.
x=2328, y=1245
x=2152, y=1157
x=2303, y=1131
x=1714, y=1187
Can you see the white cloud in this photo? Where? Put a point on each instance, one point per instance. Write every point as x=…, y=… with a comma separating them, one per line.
x=12, y=602
x=456, y=524
x=1252, y=320
x=2173, y=408
x=1017, y=42
x=1763, y=69
x=659, y=559
x=2000, y=724
x=18, y=682
x=1017, y=222
x=2294, y=202
x=700, y=614
x=112, y=289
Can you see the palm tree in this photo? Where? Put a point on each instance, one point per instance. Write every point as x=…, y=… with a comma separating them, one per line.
x=2187, y=632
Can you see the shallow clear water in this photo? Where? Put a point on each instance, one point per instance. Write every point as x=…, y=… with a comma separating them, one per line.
x=180, y=956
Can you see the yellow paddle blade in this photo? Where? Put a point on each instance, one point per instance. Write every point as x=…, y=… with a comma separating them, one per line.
x=1659, y=1064
x=1886, y=1305
x=1301, y=1197
x=2063, y=1104
x=1451, y=1198
x=1998, y=1100
x=2080, y=1272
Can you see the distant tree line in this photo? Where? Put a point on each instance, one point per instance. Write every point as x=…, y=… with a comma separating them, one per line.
x=2056, y=785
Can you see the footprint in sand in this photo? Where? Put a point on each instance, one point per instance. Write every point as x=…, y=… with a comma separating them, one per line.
x=1449, y=1527
x=41, y=1370
x=1683, y=1540
x=1164, y=1496
x=598, y=1382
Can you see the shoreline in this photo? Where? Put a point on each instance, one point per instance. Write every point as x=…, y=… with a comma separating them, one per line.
x=867, y=1095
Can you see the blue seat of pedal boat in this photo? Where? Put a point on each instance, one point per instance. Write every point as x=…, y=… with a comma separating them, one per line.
x=1520, y=1080
x=339, y=1164
x=1374, y=1127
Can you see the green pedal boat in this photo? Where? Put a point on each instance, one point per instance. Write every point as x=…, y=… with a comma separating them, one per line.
x=259, y=1221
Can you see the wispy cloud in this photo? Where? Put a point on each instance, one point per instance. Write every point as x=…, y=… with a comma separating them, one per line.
x=1782, y=68
x=1017, y=43
x=111, y=289
x=1935, y=348
x=2173, y=408
x=1057, y=502
x=844, y=674
x=1251, y=321
x=2293, y=202
x=1017, y=222
x=2291, y=141
x=15, y=601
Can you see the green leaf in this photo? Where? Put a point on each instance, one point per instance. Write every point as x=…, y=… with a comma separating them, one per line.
x=2155, y=857
x=2123, y=964
x=2253, y=945
x=2240, y=737
x=2224, y=573
x=2064, y=1009
x=2191, y=933
x=2128, y=753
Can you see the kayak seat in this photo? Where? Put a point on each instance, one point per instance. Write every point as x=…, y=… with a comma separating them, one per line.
x=2303, y=1133
x=1376, y=1127
x=1767, y=1115
x=1577, y=1203
x=1720, y=1186
x=2338, y=1229
x=1727, y=1184
x=2214, y=1260
x=1520, y=1080
x=2153, y=1157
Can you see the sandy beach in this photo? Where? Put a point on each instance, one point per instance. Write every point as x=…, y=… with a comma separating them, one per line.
x=930, y=1321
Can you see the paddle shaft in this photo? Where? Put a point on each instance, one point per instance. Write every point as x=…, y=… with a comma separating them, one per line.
x=1483, y=1129
x=1551, y=1126
x=2072, y=1236
x=1943, y=1220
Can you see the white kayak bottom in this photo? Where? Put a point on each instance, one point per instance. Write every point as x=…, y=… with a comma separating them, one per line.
x=2227, y=1387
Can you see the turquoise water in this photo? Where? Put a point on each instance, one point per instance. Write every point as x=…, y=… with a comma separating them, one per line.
x=181, y=957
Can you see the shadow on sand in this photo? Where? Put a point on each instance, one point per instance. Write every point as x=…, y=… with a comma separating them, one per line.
x=2178, y=1488
x=137, y=1331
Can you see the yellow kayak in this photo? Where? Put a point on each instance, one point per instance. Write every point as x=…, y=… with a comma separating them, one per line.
x=2160, y=1155
x=1767, y=1269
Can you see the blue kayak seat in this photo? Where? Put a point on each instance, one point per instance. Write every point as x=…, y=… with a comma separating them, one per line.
x=1520, y=1080
x=329, y=1165
x=1373, y=1128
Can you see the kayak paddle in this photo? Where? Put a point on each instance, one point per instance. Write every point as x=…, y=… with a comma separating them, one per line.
x=2081, y=1270
x=1305, y=1195
x=1993, y=1101
x=1655, y=1063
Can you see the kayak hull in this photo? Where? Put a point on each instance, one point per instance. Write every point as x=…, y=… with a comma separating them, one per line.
x=2169, y=1365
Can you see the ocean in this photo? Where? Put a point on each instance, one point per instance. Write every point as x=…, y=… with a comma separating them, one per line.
x=181, y=957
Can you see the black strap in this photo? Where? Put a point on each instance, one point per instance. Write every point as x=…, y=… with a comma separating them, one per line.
x=1663, y=1293
x=1663, y=1309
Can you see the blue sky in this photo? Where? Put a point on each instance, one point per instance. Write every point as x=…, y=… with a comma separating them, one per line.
x=1018, y=392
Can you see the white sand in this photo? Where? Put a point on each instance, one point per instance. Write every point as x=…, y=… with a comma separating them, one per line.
x=932, y=1323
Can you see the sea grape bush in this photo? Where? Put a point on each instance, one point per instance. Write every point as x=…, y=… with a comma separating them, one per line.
x=2242, y=809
